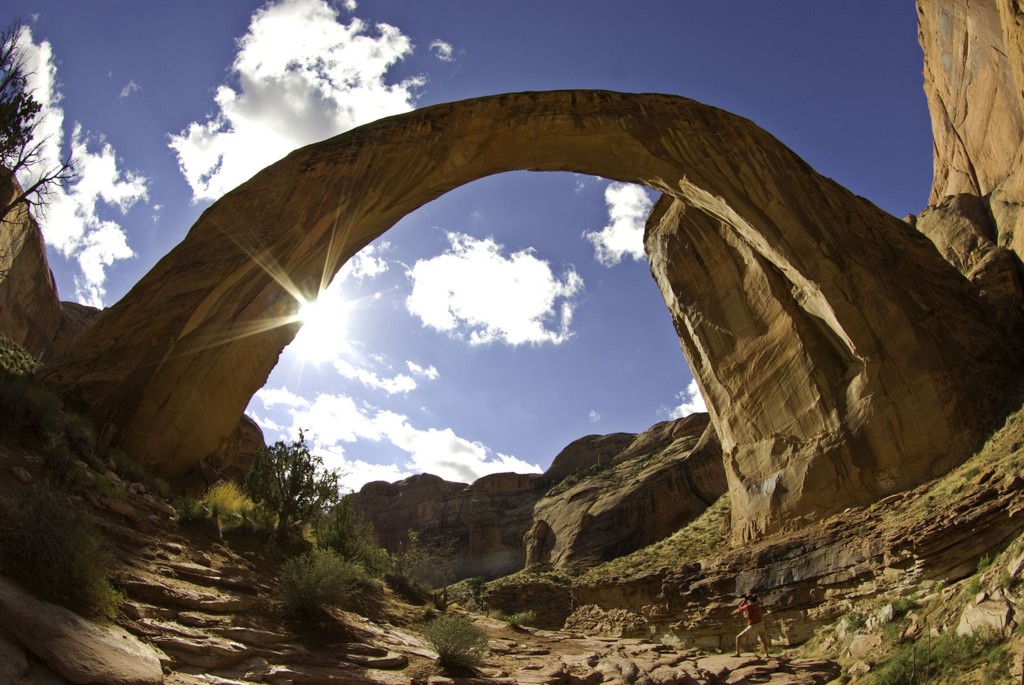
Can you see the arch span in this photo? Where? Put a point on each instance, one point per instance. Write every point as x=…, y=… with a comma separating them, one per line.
x=839, y=354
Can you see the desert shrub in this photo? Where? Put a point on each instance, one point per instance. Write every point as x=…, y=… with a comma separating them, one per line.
x=56, y=550
x=458, y=643
x=854, y=621
x=942, y=661
x=292, y=483
x=347, y=532
x=129, y=469
x=28, y=407
x=984, y=563
x=80, y=435
x=258, y=518
x=320, y=577
x=15, y=362
x=190, y=510
x=522, y=618
x=226, y=503
x=902, y=605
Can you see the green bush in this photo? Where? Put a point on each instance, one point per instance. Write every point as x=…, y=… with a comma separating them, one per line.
x=15, y=362
x=130, y=470
x=56, y=550
x=80, y=435
x=522, y=618
x=28, y=407
x=458, y=643
x=190, y=510
x=940, y=661
x=320, y=577
x=292, y=483
x=345, y=531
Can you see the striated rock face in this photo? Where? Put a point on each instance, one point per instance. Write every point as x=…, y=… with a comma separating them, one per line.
x=485, y=520
x=974, y=81
x=664, y=479
x=74, y=318
x=623, y=491
x=809, y=579
x=870, y=381
x=782, y=344
x=30, y=313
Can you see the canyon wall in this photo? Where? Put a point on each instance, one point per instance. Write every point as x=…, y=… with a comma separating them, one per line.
x=858, y=363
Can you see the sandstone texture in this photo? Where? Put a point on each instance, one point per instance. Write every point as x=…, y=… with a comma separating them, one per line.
x=974, y=81
x=30, y=313
x=603, y=496
x=665, y=478
x=203, y=608
x=79, y=650
x=915, y=544
x=871, y=382
x=485, y=520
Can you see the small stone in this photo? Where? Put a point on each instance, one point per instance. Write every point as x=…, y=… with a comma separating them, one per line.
x=22, y=475
x=202, y=558
x=859, y=668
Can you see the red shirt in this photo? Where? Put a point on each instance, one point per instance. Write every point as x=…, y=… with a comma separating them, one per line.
x=752, y=611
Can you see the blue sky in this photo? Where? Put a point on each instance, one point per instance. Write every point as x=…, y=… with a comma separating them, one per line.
x=495, y=325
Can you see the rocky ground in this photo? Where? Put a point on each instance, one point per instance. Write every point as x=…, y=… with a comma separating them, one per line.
x=200, y=608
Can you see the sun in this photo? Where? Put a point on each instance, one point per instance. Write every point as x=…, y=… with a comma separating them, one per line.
x=324, y=333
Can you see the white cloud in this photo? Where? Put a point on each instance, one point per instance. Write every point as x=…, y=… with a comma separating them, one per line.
x=623, y=236
x=272, y=397
x=430, y=372
x=332, y=422
x=692, y=402
x=474, y=292
x=129, y=89
x=71, y=222
x=443, y=50
x=398, y=383
x=301, y=76
x=593, y=416
x=367, y=263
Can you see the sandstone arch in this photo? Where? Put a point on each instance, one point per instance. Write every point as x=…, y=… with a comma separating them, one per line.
x=871, y=345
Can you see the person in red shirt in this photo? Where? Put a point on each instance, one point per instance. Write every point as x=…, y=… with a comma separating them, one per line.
x=755, y=622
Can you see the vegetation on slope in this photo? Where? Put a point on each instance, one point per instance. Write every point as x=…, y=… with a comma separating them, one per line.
x=704, y=537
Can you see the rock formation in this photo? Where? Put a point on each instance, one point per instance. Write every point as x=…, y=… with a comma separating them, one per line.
x=871, y=381
x=974, y=81
x=485, y=520
x=665, y=478
x=30, y=313
x=603, y=496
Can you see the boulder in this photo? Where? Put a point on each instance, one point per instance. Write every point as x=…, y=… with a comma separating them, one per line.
x=79, y=650
x=988, y=618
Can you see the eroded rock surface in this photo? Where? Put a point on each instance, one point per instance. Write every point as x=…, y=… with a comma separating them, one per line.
x=665, y=478
x=974, y=81
x=30, y=313
x=603, y=496
x=897, y=331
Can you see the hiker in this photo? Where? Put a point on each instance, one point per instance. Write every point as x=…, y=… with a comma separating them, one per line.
x=755, y=622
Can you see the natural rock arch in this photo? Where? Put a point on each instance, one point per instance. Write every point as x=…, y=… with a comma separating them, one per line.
x=841, y=357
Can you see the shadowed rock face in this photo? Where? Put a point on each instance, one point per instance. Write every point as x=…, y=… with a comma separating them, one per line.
x=840, y=356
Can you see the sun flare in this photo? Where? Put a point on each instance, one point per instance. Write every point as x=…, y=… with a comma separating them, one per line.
x=324, y=327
